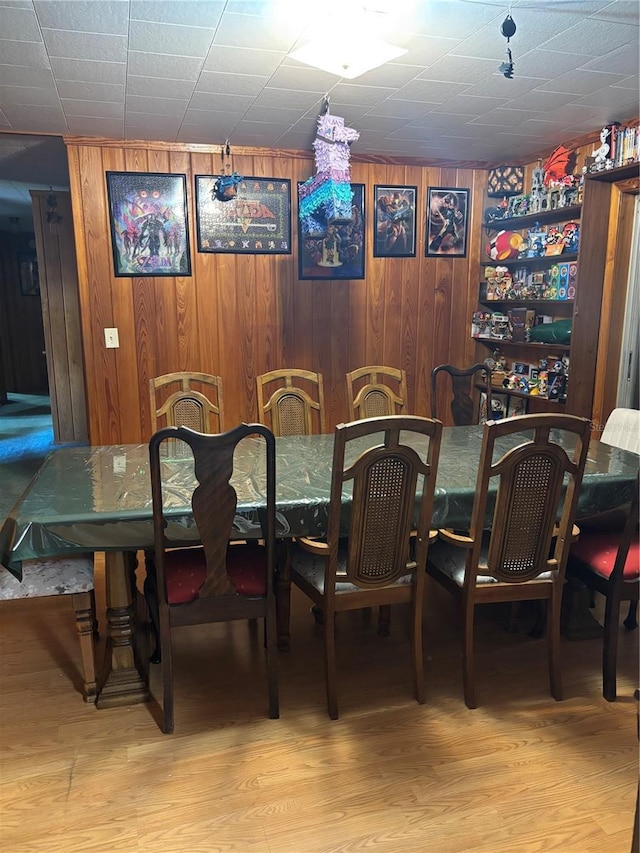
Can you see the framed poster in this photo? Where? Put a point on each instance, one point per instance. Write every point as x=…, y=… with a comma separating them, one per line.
x=338, y=250
x=395, y=222
x=148, y=219
x=256, y=221
x=447, y=221
x=29, y=281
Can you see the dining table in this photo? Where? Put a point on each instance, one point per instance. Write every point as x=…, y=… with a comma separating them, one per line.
x=98, y=499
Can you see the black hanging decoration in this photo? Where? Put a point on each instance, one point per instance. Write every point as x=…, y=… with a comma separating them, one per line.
x=507, y=29
x=225, y=187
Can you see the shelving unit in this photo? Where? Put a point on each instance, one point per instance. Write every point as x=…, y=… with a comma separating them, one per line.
x=598, y=214
x=530, y=351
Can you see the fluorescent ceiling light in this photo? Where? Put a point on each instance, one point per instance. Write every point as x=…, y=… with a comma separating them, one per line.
x=347, y=59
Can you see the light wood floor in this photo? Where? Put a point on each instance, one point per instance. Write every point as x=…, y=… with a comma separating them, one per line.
x=521, y=774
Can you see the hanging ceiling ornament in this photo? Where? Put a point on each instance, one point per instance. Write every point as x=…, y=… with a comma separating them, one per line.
x=327, y=196
x=225, y=187
x=507, y=29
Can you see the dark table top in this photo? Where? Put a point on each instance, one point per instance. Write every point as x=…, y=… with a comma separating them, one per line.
x=99, y=498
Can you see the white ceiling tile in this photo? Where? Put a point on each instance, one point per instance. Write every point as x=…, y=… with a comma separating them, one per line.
x=169, y=39
x=93, y=109
x=230, y=84
x=259, y=62
x=39, y=117
x=87, y=16
x=24, y=54
x=171, y=107
x=429, y=91
x=76, y=90
x=501, y=117
x=390, y=75
x=193, y=13
x=96, y=126
x=624, y=59
x=150, y=87
x=471, y=105
x=628, y=83
x=205, y=120
x=163, y=67
x=593, y=38
x=222, y=102
x=347, y=93
x=89, y=70
x=295, y=75
x=401, y=110
x=19, y=24
x=545, y=64
x=29, y=95
x=14, y=75
x=580, y=82
x=73, y=45
x=246, y=31
x=290, y=98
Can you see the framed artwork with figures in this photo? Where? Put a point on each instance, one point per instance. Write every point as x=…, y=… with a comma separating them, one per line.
x=447, y=222
x=337, y=250
x=148, y=219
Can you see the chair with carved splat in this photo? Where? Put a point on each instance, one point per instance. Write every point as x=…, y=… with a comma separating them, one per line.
x=465, y=402
x=220, y=581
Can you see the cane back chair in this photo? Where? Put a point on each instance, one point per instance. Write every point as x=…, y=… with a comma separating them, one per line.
x=376, y=391
x=192, y=400
x=370, y=559
x=295, y=405
x=517, y=549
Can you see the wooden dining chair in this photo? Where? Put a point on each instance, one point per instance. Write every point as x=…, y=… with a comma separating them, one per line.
x=218, y=581
x=291, y=401
x=462, y=388
x=517, y=547
x=609, y=563
x=369, y=559
x=193, y=400
x=66, y=575
x=376, y=391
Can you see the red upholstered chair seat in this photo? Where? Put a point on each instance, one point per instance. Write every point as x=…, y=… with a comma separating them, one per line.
x=185, y=572
x=599, y=549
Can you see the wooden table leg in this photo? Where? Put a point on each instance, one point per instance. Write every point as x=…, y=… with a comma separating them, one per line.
x=122, y=683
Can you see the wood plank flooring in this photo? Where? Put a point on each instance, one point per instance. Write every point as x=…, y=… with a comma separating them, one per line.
x=521, y=774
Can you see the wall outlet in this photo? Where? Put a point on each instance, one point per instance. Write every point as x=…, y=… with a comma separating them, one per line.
x=111, y=340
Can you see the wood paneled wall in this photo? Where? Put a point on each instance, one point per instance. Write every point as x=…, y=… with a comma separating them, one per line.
x=239, y=316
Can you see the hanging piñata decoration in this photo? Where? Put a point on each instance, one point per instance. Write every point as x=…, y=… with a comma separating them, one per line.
x=327, y=196
x=225, y=187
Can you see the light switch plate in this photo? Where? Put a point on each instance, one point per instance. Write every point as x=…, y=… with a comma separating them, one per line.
x=111, y=340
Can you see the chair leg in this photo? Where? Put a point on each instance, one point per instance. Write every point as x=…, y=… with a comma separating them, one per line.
x=554, y=606
x=631, y=622
x=271, y=640
x=384, y=620
x=151, y=596
x=283, y=604
x=610, y=646
x=167, y=674
x=85, y=610
x=418, y=656
x=330, y=664
x=467, y=656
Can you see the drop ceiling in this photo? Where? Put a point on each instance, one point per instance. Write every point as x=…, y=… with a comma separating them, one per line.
x=203, y=72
